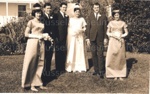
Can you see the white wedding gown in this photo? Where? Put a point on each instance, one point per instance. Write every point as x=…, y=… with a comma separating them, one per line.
x=76, y=59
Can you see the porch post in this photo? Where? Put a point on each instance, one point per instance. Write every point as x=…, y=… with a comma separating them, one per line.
x=30, y=5
x=6, y=8
x=110, y=10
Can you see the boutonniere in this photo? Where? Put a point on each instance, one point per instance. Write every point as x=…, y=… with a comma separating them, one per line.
x=51, y=17
x=99, y=15
x=66, y=15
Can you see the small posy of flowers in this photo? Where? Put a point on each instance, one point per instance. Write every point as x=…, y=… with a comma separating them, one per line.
x=98, y=15
x=47, y=37
x=51, y=17
x=78, y=33
x=66, y=15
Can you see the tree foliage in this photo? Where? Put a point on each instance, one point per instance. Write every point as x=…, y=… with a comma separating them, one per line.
x=136, y=14
x=12, y=35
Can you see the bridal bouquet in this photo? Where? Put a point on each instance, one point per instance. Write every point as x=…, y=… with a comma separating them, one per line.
x=47, y=37
x=117, y=35
x=78, y=32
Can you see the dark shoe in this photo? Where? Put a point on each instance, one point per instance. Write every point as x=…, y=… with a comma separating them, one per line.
x=95, y=73
x=101, y=76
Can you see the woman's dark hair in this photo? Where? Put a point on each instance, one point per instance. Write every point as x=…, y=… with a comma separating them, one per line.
x=114, y=12
x=35, y=11
x=35, y=6
x=63, y=3
x=75, y=9
x=47, y=4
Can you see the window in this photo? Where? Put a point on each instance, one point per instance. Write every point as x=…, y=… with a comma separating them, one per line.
x=21, y=10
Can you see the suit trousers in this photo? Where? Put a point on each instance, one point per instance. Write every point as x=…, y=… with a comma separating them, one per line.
x=48, y=58
x=97, y=49
x=60, y=55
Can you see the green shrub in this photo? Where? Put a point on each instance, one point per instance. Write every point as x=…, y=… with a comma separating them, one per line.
x=12, y=35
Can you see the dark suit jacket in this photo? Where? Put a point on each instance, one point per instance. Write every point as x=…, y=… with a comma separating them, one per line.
x=61, y=26
x=96, y=29
x=49, y=25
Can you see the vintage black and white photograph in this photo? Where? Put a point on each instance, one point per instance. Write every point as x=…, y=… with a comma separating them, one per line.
x=74, y=46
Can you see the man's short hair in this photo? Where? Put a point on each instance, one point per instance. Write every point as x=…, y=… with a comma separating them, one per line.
x=97, y=4
x=63, y=3
x=47, y=4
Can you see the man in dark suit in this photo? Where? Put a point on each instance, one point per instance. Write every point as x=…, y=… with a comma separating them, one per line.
x=47, y=19
x=96, y=34
x=62, y=25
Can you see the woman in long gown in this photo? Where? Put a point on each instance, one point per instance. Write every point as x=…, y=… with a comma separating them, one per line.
x=34, y=55
x=115, y=57
x=76, y=59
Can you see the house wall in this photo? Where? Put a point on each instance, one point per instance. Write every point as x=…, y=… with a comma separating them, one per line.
x=12, y=9
x=2, y=9
x=12, y=12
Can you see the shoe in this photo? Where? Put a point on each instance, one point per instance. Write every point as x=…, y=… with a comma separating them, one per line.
x=43, y=87
x=115, y=78
x=34, y=89
x=101, y=76
x=120, y=78
x=95, y=73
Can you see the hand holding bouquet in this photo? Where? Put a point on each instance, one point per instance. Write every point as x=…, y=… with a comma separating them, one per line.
x=78, y=32
x=47, y=37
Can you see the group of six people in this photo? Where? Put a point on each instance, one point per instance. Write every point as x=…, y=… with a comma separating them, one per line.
x=68, y=37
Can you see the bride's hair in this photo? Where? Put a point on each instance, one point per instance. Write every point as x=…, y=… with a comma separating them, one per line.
x=77, y=7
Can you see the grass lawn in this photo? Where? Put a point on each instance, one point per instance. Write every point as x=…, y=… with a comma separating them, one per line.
x=136, y=82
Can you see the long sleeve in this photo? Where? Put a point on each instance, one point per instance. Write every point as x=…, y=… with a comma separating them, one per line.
x=125, y=29
x=28, y=29
x=105, y=27
x=84, y=25
x=55, y=25
x=108, y=29
x=87, y=32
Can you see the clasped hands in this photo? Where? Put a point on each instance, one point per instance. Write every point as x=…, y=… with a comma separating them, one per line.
x=45, y=36
x=89, y=43
x=78, y=32
x=116, y=36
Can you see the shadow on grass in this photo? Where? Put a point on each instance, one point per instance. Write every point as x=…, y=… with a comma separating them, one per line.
x=90, y=63
x=47, y=77
x=130, y=62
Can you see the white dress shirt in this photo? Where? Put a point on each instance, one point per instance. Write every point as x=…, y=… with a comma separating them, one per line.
x=47, y=15
x=62, y=14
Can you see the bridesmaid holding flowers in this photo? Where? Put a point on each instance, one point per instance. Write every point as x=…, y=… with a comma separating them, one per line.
x=34, y=54
x=115, y=57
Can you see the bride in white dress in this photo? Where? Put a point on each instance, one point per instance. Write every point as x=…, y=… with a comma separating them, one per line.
x=76, y=58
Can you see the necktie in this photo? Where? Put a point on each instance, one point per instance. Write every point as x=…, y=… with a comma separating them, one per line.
x=48, y=17
x=64, y=15
x=96, y=16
